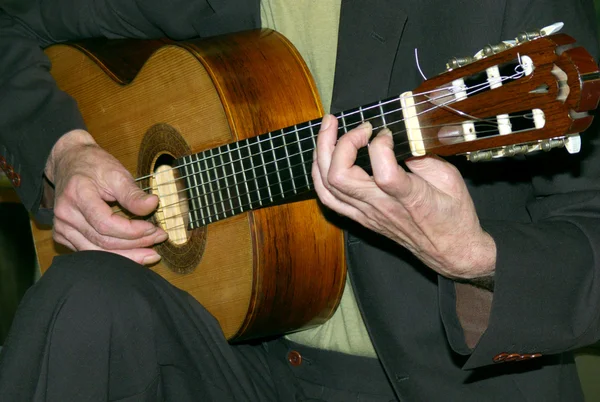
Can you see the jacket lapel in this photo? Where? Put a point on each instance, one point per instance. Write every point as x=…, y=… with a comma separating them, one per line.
x=369, y=35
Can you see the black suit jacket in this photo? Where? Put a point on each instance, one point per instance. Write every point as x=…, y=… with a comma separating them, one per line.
x=543, y=211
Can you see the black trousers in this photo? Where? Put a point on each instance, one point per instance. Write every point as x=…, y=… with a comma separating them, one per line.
x=98, y=327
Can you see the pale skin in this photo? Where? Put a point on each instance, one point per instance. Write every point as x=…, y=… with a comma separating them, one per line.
x=427, y=210
x=85, y=178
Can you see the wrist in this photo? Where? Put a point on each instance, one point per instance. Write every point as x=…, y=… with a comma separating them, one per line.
x=68, y=142
x=481, y=258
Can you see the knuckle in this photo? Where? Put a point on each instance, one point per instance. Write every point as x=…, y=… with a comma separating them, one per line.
x=106, y=242
x=415, y=201
x=385, y=180
x=336, y=179
x=62, y=212
x=102, y=227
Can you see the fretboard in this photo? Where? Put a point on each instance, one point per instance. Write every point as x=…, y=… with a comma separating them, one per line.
x=269, y=168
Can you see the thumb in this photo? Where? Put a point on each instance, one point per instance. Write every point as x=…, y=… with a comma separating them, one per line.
x=133, y=199
x=437, y=172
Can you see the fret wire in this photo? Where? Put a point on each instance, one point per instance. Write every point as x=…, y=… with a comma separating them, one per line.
x=264, y=187
x=345, y=128
x=244, y=176
x=480, y=87
x=224, y=172
x=387, y=101
x=214, y=193
x=235, y=176
x=282, y=194
x=384, y=101
x=253, y=167
x=313, y=136
x=344, y=122
x=193, y=164
x=302, y=157
x=308, y=188
x=311, y=126
x=301, y=154
x=382, y=115
x=275, y=161
x=189, y=178
x=289, y=160
x=264, y=166
x=207, y=187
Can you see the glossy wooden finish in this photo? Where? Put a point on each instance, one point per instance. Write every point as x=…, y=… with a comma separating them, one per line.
x=518, y=96
x=261, y=273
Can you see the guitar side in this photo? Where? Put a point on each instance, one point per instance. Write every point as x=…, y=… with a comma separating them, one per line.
x=264, y=272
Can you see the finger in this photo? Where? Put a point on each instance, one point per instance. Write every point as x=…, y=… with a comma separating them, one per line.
x=344, y=154
x=101, y=217
x=388, y=175
x=68, y=218
x=439, y=173
x=60, y=239
x=144, y=256
x=132, y=198
x=348, y=183
x=329, y=200
x=326, y=141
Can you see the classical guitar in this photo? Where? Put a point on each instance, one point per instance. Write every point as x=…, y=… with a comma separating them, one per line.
x=247, y=238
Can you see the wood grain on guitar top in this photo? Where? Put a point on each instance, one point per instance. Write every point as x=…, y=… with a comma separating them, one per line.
x=262, y=272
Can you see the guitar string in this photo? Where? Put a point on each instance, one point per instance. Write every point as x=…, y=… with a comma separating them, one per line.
x=290, y=167
x=490, y=121
x=219, y=189
x=451, y=90
x=285, y=144
x=228, y=212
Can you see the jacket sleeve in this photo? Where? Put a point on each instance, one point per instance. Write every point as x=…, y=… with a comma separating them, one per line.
x=547, y=282
x=34, y=113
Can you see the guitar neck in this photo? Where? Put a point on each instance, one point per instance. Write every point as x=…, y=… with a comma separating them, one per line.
x=273, y=167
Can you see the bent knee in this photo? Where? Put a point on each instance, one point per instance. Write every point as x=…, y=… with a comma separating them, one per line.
x=95, y=270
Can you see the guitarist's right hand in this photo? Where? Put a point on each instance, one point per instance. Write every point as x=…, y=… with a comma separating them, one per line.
x=85, y=178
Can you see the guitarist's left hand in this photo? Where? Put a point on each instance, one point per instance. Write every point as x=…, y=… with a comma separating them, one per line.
x=427, y=210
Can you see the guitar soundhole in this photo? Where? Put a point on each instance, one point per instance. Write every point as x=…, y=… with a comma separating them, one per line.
x=161, y=146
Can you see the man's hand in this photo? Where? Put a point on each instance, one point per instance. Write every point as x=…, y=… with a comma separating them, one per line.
x=428, y=210
x=85, y=178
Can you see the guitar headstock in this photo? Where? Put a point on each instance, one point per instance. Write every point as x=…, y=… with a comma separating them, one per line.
x=529, y=94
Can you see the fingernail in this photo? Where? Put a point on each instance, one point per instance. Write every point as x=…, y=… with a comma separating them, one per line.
x=161, y=237
x=364, y=125
x=151, y=259
x=385, y=131
x=326, y=122
x=150, y=231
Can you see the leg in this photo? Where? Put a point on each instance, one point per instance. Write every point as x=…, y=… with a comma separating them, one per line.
x=100, y=327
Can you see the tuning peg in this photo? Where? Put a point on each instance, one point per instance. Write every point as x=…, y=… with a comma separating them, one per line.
x=531, y=35
x=551, y=29
x=493, y=49
x=573, y=143
x=459, y=62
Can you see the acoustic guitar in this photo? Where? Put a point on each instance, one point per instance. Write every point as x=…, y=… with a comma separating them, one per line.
x=223, y=131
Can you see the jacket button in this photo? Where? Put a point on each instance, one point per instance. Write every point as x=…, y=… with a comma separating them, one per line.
x=295, y=358
x=500, y=357
x=16, y=180
x=512, y=357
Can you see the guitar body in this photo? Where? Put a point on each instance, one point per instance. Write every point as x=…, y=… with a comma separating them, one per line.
x=227, y=125
x=262, y=272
